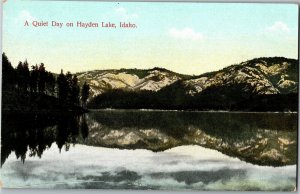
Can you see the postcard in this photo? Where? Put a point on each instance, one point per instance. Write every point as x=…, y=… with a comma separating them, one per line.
x=149, y=96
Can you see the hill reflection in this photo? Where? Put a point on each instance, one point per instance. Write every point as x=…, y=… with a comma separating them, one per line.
x=258, y=138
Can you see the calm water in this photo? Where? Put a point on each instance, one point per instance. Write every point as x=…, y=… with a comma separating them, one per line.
x=151, y=150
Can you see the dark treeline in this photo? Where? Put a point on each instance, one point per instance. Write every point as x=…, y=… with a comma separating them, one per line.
x=174, y=97
x=35, y=88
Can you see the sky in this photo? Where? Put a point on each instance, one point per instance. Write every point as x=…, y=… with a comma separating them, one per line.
x=188, y=38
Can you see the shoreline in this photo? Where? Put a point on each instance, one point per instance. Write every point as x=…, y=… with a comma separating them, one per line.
x=45, y=112
x=207, y=111
x=69, y=112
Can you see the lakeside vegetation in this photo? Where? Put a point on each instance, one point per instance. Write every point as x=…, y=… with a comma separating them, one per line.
x=33, y=89
x=228, y=98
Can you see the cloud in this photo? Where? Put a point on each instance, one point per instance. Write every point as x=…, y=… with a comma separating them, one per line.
x=24, y=16
x=123, y=13
x=278, y=27
x=186, y=33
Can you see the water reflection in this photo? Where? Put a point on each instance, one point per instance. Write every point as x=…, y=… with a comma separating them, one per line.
x=183, y=167
x=36, y=133
x=258, y=138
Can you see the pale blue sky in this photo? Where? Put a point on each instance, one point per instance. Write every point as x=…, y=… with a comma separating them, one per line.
x=189, y=38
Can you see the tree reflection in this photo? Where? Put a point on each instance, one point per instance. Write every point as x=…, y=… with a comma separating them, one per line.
x=264, y=138
x=33, y=134
x=84, y=128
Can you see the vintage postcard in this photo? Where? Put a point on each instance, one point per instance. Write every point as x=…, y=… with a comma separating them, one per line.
x=149, y=95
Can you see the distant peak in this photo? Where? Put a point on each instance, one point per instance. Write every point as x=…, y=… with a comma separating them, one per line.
x=271, y=60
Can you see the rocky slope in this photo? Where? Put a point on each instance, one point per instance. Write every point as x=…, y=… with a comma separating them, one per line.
x=128, y=79
x=276, y=75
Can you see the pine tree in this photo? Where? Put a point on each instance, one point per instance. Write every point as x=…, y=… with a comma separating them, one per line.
x=50, y=83
x=74, y=91
x=8, y=73
x=26, y=75
x=62, y=86
x=42, y=78
x=85, y=92
x=33, y=79
x=68, y=86
x=23, y=76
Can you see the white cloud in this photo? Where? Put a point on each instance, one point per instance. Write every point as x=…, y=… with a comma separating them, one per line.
x=278, y=27
x=24, y=16
x=123, y=13
x=186, y=33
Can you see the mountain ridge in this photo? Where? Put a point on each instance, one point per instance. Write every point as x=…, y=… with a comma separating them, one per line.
x=270, y=75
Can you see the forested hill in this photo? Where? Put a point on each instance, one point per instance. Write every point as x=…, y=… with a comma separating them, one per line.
x=33, y=89
x=262, y=84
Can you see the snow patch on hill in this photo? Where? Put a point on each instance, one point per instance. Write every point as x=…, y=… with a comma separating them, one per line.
x=103, y=81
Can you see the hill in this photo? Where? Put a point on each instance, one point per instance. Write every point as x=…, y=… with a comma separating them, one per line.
x=262, y=84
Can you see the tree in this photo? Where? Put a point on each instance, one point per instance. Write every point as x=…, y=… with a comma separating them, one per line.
x=26, y=75
x=8, y=72
x=85, y=92
x=19, y=74
x=42, y=78
x=23, y=76
x=74, y=91
x=62, y=86
x=33, y=82
x=50, y=83
x=68, y=89
x=69, y=83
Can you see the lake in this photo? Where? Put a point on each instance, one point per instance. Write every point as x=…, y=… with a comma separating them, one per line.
x=165, y=150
